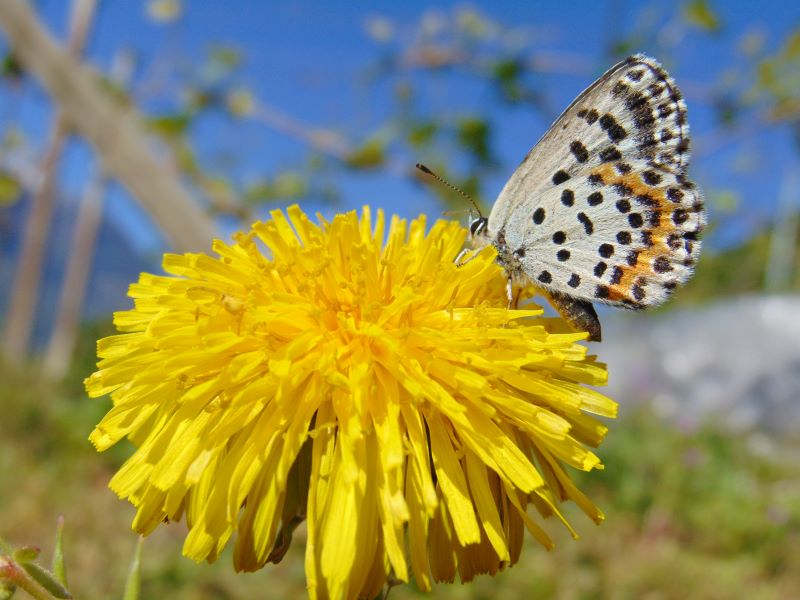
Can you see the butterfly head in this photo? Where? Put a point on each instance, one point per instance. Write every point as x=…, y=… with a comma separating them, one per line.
x=478, y=226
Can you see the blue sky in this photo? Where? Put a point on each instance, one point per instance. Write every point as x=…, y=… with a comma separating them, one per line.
x=308, y=59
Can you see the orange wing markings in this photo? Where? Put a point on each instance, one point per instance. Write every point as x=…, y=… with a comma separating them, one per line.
x=643, y=268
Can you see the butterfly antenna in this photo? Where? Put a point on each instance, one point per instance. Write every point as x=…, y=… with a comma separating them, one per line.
x=426, y=170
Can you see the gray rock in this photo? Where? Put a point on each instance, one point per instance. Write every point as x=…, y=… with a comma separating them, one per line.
x=736, y=361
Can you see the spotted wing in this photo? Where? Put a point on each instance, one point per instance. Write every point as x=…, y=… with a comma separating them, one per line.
x=601, y=208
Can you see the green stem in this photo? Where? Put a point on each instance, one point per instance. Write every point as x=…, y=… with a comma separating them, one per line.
x=14, y=574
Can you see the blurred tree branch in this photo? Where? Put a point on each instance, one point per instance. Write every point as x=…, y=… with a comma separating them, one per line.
x=115, y=133
x=80, y=259
x=20, y=316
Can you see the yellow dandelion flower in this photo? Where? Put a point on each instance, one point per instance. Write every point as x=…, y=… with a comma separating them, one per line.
x=359, y=381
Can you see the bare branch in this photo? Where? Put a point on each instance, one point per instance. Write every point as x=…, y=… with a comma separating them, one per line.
x=58, y=354
x=323, y=140
x=115, y=133
x=21, y=313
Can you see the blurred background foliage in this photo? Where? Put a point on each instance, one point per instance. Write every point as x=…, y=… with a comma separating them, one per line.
x=463, y=88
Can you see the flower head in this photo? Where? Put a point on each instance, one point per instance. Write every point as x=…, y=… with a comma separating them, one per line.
x=371, y=388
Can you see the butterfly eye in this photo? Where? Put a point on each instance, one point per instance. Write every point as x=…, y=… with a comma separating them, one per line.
x=478, y=225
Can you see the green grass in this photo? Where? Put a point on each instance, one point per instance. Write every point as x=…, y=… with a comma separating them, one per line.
x=694, y=514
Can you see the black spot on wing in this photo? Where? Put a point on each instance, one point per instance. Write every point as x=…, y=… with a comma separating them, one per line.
x=674, y=194
x=590, y=115
x=560, y=177
x=662, y=265
x=595, y=198
x=579, y=151
x=610, y=154
x=600, y=268
x=679, y=216
x=595, y=179
x=635, y=74
x=588, y=226
x=606, y=250
x=623, y=190
x=651, y=178
x=645, y=200
x=614, y=130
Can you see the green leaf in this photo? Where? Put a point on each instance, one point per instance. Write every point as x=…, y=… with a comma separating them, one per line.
x=115, y=90
x=727, y=111
x=473, y=23
x=508, y=71
x=26, y=554
x=10, y=189
x=473, y=135
x=767, y=74
x=792, y=48
x=59, y=567
x=134, y=583
x=11, y=68
x=700, y=14
x=46, y=579
x=170, y=125
x=164, y=11
x=186, y=158
x=289, y=185
x=7, y=590
x=422, y=133
x=226, y=56
x=241, y=102
x=624, y=47
x=201, y=98
x=725, y=202
x=369, y=156
x=507, y=74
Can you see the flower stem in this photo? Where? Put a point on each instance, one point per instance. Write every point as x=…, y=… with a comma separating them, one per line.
x=12, y=573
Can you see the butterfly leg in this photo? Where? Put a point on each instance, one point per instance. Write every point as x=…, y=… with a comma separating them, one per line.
x=580, y=314
x=460, y=261
x=513, y=298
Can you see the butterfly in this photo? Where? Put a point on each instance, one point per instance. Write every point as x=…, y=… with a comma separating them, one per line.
x=601, y=209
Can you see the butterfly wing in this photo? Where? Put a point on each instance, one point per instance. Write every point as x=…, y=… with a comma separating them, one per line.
x=601, y=208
